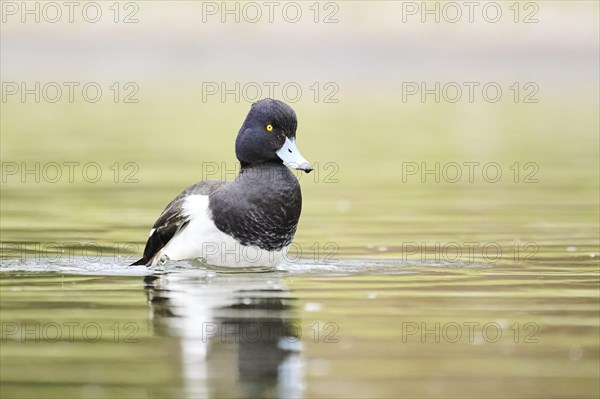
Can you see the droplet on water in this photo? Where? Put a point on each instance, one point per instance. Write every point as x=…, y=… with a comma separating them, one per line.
x=342, y=206
x=313, y=307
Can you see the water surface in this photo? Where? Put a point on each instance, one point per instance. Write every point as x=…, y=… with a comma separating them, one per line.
x=399, y=284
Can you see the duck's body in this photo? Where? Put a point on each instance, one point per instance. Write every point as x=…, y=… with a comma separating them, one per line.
x=250, y=221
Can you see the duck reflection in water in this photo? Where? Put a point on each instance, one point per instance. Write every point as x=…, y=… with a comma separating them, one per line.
x=237, y=334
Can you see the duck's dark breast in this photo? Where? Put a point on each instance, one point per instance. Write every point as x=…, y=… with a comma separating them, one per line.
x=260, y=208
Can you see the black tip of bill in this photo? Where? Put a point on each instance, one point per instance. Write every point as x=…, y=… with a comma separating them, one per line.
x=305, y=166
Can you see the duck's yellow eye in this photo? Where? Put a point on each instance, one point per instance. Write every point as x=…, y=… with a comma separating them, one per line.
x=269, y=128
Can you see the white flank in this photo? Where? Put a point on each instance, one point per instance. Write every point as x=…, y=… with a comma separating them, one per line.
x=201, y=239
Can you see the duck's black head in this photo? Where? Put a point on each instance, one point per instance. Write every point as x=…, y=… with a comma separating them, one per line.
x=269, y=134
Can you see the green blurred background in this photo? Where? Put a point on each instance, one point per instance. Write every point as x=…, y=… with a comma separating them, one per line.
x=360, y=198
x=368, y=53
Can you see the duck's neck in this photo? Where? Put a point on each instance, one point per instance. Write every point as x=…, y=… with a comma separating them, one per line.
x=266, y=167
x=247, y=165
x=267, y=173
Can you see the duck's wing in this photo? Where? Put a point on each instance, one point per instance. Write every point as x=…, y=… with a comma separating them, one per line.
x=173, y=219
